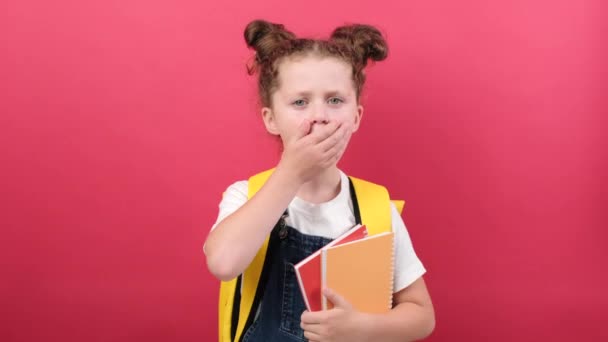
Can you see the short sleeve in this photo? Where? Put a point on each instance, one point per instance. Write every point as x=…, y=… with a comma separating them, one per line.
x=408, y=268
x=234, y=197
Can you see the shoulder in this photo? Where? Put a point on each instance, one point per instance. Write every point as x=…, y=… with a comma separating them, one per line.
x=233, y=198
x=240, y=188
x=237, y=191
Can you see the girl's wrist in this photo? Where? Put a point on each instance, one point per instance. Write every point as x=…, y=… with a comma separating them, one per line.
x=288, y=179
x=364, y=325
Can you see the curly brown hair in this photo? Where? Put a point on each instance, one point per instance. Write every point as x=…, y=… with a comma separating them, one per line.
x=354, y=44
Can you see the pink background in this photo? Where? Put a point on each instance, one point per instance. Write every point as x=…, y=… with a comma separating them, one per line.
x=121, y=122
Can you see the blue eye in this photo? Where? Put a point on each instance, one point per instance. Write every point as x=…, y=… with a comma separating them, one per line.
x=299, y=103
x=332, y=100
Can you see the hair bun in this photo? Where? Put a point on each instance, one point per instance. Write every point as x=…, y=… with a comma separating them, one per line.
x=366, y=41
x=266, y=37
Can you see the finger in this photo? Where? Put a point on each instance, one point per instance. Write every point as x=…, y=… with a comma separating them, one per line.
x=338, y=147
x=323, y=132
x=312, y=337
x=314, y=330
x=312, y=317
x=341, y=149
x=334, y=139
x=334, y=154
x=337, y=300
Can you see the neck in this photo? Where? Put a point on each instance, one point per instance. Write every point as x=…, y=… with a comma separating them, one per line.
x=322, y=188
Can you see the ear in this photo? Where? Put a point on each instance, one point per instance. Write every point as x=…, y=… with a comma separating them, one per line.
x=270, y=121
x=358, y=118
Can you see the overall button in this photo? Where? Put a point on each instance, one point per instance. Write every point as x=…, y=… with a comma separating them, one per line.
x=282, y=229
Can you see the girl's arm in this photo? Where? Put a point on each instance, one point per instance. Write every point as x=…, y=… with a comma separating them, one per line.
x=411, y=319
x=234, y=242
x=232, y=245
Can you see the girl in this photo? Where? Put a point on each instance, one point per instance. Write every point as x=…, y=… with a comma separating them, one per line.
x=310, y=92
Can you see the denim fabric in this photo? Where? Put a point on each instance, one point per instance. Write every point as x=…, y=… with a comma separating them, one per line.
x=282, y=304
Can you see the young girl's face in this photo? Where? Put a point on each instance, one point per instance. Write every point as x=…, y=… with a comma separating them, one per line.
x=319, y=89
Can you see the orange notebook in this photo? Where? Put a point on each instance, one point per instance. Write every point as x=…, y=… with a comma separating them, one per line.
x=308, y=271
x=362, y=272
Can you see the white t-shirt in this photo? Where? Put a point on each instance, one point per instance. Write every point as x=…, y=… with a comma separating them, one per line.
x=331, y=219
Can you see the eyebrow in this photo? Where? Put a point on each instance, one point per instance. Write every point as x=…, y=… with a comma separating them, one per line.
x=328, y=93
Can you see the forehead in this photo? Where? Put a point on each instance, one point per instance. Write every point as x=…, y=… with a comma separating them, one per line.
x=312, y=73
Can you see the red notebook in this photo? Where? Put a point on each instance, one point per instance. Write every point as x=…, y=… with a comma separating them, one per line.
x=308, y=271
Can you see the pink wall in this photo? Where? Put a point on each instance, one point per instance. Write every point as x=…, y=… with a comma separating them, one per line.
x=121, y=122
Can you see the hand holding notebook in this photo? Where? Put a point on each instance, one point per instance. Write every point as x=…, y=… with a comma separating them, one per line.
x=308, y=271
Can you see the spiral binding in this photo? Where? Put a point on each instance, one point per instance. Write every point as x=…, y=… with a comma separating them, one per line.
x=392, y=280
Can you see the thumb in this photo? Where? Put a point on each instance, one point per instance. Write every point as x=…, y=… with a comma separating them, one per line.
x=337, y=300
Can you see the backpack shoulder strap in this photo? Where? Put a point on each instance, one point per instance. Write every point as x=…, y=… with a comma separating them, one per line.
x=251, y=276
x=374, y=205
x=249, y=284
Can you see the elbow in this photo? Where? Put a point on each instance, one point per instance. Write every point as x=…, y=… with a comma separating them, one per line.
x=220, y=267
x=426, y=325
x=429, y=325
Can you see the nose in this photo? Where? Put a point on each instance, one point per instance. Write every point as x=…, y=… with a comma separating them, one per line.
x=319, y=115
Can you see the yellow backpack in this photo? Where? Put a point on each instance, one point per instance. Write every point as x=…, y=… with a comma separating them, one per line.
x=236, y=310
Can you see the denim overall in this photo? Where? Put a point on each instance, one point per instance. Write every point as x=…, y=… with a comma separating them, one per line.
x=282, y=304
